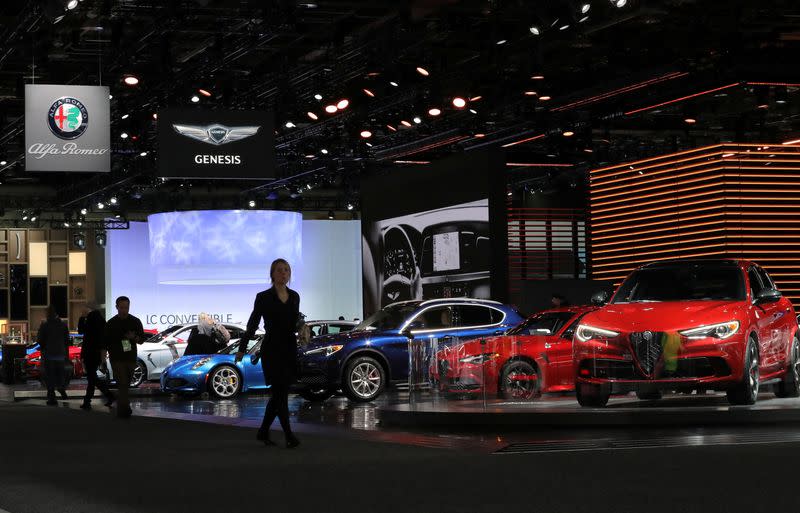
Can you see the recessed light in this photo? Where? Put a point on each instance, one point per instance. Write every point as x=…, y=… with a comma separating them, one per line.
x=330, y=109
x=195, y=99
x=534, y=30
x=125, y=116
x=417, y=120
x=342, y=104
x=312, y=115
x=422, y=71
x=317, y=96
x=130, y=80
x=434, y=111
x=204, y=92
x=366, y=134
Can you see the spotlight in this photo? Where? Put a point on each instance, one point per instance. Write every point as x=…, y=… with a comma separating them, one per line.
x=143, y=154
x=155, y=115
x=33, y=218
x=251, y=203
x=343, y=104
x=394, y=84
x=72, y=4
x=405, y=123
x=79, y=240
x=502, y=42
x=534, y=30
x=690, y=121
x=100, y=239
x=619, y=3
x=318, y=96
x=583, y=19
x=110, y=96
x=417, y=120
x=195, y=99
x=563, y=27
x=309, y=186
x=113, y=200
x=330, y=214
x=125, y=116
x=537, y=77
x=289, y=124
x=568, y=133
x=434, y=111
x=369, y=93
x=585, y=8
x=459, y=102
x=390, y=127
x=312, y=115
x=24, y=216
x=422, y=71
x=66, y=224
x=531, y=93
x=204, y=92
x=473, y=111
x=330, y=109
x=350, y=206
x=130, y=80
x=101, y=205
x=544, y=98
x=83, y=211
x=366, y=134
x=123, y=135
x=3, y=162
x=323, y=151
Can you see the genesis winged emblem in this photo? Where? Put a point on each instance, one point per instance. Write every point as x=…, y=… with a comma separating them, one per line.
x=216, y=134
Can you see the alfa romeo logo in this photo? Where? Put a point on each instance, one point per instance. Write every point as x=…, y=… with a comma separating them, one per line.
x=67, y=118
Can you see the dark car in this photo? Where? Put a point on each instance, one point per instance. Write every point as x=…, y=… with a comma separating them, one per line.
x=362, y=362
x=690, y=325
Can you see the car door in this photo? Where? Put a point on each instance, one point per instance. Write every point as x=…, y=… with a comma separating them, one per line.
x=560, y=351
x=436, y=329
x=782, y=328
x=767, y=318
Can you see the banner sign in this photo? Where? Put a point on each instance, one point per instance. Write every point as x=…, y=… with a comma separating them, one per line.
x=215, y=144
x=67, y=128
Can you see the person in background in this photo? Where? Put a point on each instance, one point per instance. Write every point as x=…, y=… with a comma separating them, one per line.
x=279, y=307
x=123, y=332
x=92, y=327
x=53, y=338
x=201, y=338
x=558, y=301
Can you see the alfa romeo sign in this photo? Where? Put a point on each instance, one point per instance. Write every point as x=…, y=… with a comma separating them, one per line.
x=67, y=128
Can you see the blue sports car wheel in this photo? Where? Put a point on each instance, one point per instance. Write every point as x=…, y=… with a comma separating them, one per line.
x=224, y=382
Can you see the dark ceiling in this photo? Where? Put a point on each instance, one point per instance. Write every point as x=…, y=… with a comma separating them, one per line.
x=623, y=81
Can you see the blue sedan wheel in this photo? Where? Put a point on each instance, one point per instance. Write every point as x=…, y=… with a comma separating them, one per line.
x=224, y=382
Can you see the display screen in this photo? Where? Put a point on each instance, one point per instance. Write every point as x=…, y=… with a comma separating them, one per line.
x=446, y=252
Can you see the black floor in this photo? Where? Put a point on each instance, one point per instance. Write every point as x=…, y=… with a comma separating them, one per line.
x=64, y=459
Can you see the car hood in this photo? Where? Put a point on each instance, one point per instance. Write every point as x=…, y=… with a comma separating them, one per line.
x=188, y=361
x=663, y=316
x=339, y=338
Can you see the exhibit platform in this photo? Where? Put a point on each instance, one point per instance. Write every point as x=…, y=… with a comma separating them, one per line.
x=672, y=410
x=74, y=391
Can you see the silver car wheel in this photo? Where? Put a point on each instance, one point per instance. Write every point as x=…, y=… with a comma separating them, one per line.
x=365, y=379
x=225, y=382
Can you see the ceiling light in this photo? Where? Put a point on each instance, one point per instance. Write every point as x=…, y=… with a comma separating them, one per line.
x=66, y=224
x=394, y=84
x=33, y=219
x=585, y=8
x=476, y=98
x=143, y=154
x=405, y=123
x=544, y=98
x=113, y=200
x=368, y=93
x=83, y=211
x=534, y=30
x=619, y=3
x=502, y=42
x=123, y=135
x=369, y=144
x=110, y=96
x=434, y=111
x=390, y=127
x=330, y=109
x=422, y=71
x=125, y=116
x=366, y=134
x=417, y=120
x=531, y=93
x=350, y=206
x=312, y=115
x=204, y=92
x=583, y=19
x=155, y=115
x=473, y=111
x=342, y=104
x=79, y=223
x=72, y=4
x=101, y=205
x=289, y=124
x=195, y=99
x=323, y=151
x=563, y=27
x=309, y=186
x=317, y=96
x=459, y=102
x=690, y=121
x=330, y=214
x=3, y=162
x=568, y=133
x=479, y=136
x=130, y=80
x=537, y=77
x=251, y=203
x=24, y=216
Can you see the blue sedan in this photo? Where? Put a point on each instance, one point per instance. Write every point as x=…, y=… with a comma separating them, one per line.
x=218, y=374
x=364, y=361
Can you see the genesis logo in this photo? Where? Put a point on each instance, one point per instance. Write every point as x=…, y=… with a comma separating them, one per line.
x=216, y=134
x=67, y=118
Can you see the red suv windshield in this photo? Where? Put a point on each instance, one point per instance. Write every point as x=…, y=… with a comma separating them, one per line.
x=683, y=282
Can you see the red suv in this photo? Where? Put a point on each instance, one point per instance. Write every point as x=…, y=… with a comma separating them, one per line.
x=689, y=324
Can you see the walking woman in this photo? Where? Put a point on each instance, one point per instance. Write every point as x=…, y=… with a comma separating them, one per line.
x=279, y=306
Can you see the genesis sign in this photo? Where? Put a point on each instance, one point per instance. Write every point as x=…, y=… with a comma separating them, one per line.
x=67, y=128
x=215, y=144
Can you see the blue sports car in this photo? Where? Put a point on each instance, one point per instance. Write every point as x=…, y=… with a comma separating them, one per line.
x=218, y=374
x=362, y=362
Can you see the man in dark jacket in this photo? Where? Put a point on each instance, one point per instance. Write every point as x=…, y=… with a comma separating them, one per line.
x=92, y=327
x=53, y=339
x=122, y=333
